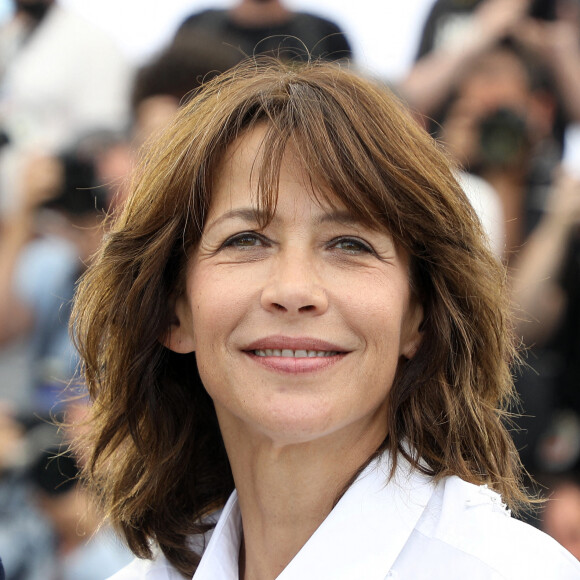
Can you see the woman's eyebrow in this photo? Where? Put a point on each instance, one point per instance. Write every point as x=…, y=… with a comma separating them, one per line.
x=247, y=214
x=252, y=215
x=338, y=216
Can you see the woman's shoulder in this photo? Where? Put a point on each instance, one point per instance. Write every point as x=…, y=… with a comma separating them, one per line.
x=157, y=569
x=469, y=528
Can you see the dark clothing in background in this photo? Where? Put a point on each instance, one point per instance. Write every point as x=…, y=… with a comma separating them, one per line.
x=303, y=35
x=566, y=341
x=549, y=440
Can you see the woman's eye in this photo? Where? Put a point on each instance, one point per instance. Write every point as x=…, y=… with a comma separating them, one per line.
x=244, y=240
x=352, y=246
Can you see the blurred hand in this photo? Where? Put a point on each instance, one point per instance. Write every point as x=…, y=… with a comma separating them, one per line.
x=498, y=18
x=460, y=131
x=564, y=202
x=548, y=39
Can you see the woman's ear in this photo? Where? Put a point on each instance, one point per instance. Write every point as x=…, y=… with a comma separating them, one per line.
x=179, y=336
x=413, y=335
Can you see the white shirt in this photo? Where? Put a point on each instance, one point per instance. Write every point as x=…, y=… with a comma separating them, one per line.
x=67, y=79
x=409, y=528
x=487, y=205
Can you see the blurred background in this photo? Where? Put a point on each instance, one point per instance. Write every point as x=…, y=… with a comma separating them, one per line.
x=84, y=85
x=385, y=44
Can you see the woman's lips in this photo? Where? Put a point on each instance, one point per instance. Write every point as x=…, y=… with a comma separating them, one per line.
x=296, y=365
x=294, y=355
x=281, y=342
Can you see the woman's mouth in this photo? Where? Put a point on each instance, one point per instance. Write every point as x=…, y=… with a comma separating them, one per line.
x=289, y=353
x=303, y=356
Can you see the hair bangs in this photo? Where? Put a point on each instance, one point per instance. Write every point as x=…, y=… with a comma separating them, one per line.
x=325, y=138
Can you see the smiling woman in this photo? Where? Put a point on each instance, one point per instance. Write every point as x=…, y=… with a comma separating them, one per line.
x=288, y=355
x=297, y=345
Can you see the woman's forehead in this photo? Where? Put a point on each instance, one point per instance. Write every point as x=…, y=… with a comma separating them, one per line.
x=238, y=185
x=248, y=163
x=262, y=158
x=251, y=147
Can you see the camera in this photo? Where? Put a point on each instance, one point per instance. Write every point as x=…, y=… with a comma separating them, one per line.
x=543, y=9
x=503, y=139
x=79, y=194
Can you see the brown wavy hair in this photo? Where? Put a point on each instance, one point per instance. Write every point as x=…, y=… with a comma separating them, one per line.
x=156, y=454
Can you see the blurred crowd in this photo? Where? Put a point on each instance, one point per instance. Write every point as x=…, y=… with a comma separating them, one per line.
x=497, y=82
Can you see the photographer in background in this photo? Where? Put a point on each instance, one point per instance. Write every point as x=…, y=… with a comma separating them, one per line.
x=455, y=35
x=80, y=547
x=499, y=125
x=458, y=32
x=45, y=244
x=51, y=527
x=60, y=77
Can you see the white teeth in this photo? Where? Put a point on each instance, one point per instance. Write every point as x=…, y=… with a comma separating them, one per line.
x=288, y=353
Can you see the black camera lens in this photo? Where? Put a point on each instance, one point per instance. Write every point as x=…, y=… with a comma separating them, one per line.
x=503, y=138
x=543, y=9
x=4, y=139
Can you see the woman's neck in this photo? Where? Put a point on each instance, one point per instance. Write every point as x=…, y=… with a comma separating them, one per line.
x=282, y=505
x=285, y=492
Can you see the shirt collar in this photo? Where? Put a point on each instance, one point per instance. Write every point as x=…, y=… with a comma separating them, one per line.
x=360, y=538
x=220, y=558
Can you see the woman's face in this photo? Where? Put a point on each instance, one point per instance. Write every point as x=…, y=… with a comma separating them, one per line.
x=298, y=327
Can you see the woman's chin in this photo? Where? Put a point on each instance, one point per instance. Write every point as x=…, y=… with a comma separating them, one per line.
x=287, y=424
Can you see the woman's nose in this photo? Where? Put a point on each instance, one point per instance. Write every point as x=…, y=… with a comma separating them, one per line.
x=294, y=286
